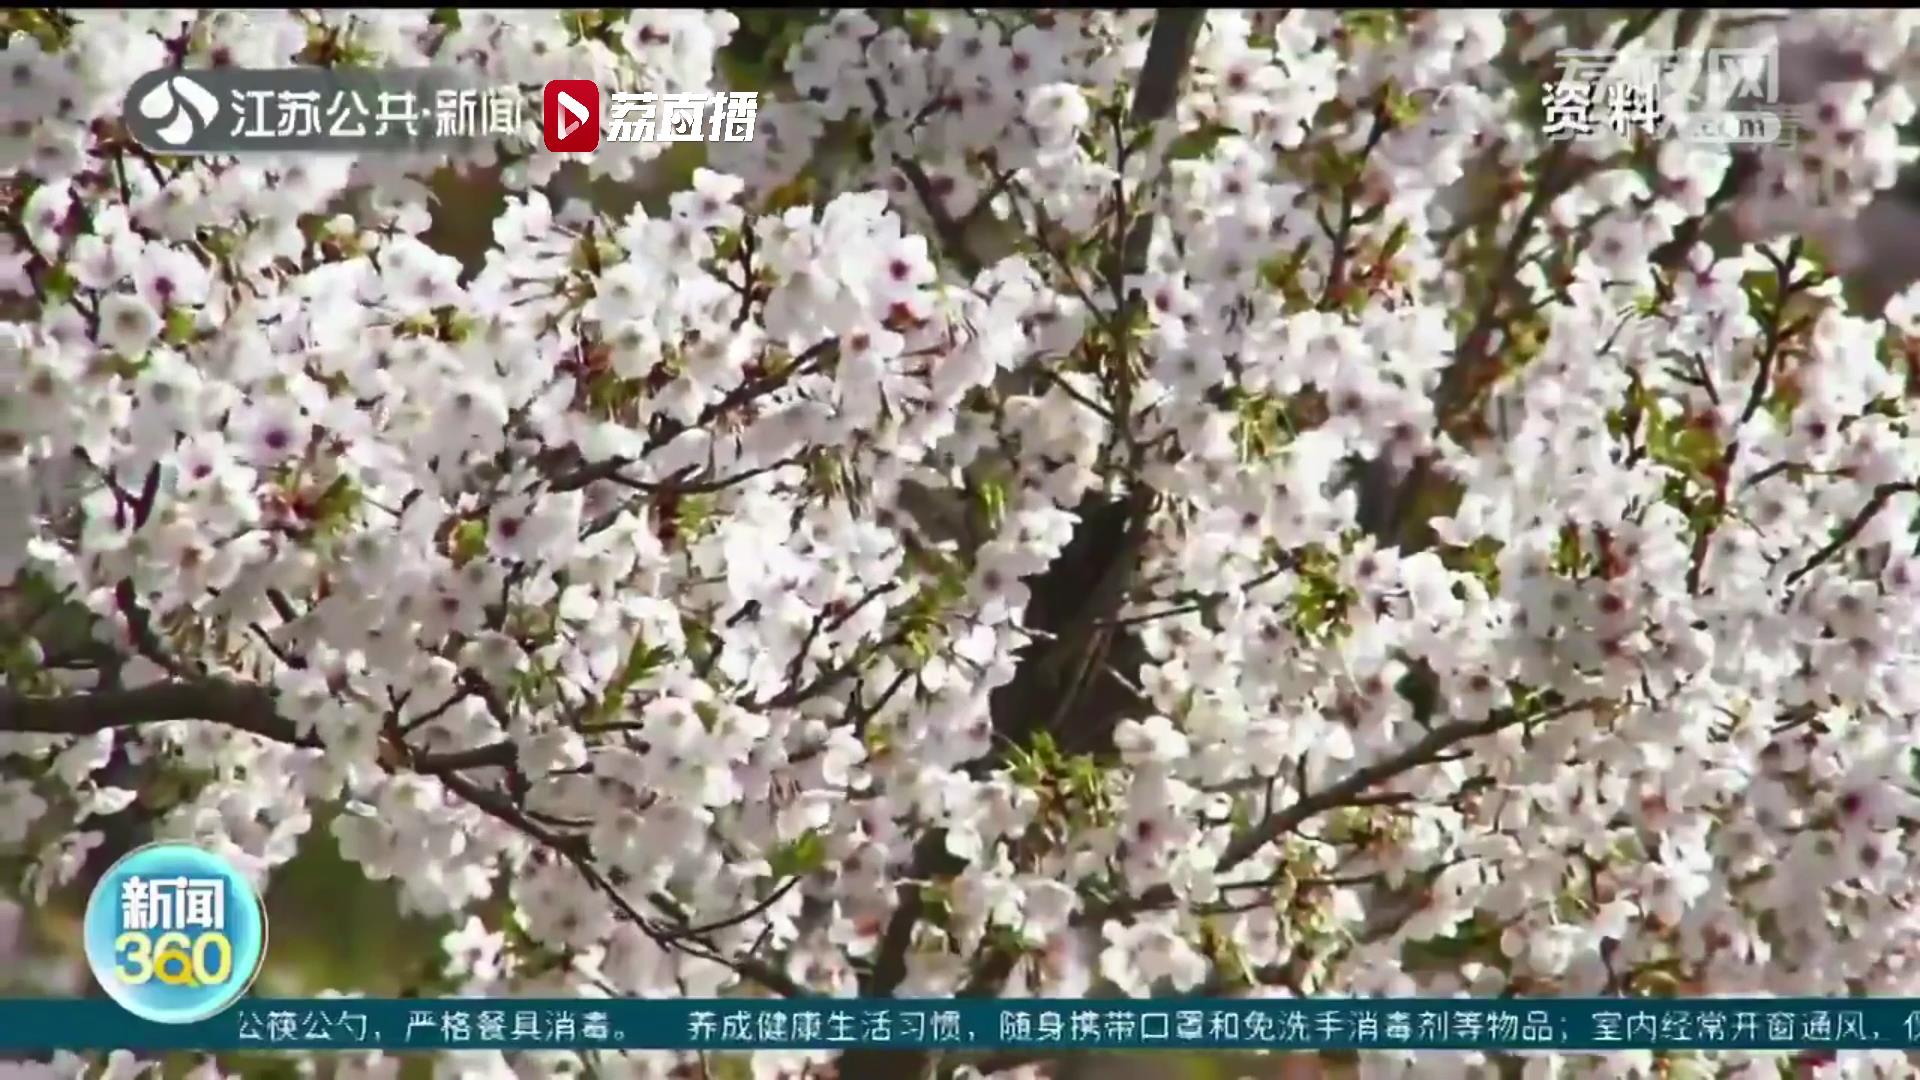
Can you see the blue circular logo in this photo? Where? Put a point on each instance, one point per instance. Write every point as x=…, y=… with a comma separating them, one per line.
x=175, y=933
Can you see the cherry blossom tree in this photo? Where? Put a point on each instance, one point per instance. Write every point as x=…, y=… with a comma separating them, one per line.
x=1183, y=503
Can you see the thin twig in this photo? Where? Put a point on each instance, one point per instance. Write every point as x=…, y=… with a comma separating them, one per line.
x=1854, y=527
x=1356, y=785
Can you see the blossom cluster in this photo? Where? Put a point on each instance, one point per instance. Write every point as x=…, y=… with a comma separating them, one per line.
x=996, y=532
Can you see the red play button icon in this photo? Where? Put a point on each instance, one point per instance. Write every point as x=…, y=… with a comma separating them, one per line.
x=570, y=115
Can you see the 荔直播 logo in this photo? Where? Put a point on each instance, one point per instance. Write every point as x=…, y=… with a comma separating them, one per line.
x=175, y=933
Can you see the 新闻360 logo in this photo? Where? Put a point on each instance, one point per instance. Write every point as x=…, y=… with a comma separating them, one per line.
x=175, y=933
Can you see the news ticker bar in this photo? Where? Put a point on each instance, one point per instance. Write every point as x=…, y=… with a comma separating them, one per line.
x=1565, y=1024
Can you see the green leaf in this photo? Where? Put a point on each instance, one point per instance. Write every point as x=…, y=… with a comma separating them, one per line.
x=802, y=855
x=60, y=285
x=1481, y=559
x=1395, y=242
x=1033, y=764
x=694, y=516
x=1263, y=425
x=799, y=191
x=1401, y=107
x=990, y=497
x=1318, y=608
x=1198, y=144
x=45, y=25
x=180, y=326
x=469, y=541
x=1471, y=940
x=936, y=904
x=127, y=367
x=701, y=642
x=1696, y=447
x=1370, y=25
x=336, y=506
x=708, y=714
x=642, y=661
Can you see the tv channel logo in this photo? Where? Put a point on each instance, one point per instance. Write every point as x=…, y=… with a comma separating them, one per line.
x=175, y=933
x=570, y=115
x=182, y=108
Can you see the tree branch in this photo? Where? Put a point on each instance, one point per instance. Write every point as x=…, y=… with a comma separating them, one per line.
x=223, y=701
x=1777, y=332
x=498, y=755
x=950, y=231
x=609, y=470
x=1341, y=235
x=251, y=708
x=1169, y=51
x=1358, y=782
x=1347, y=792
x=1854, y=527
x=1468, y=371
